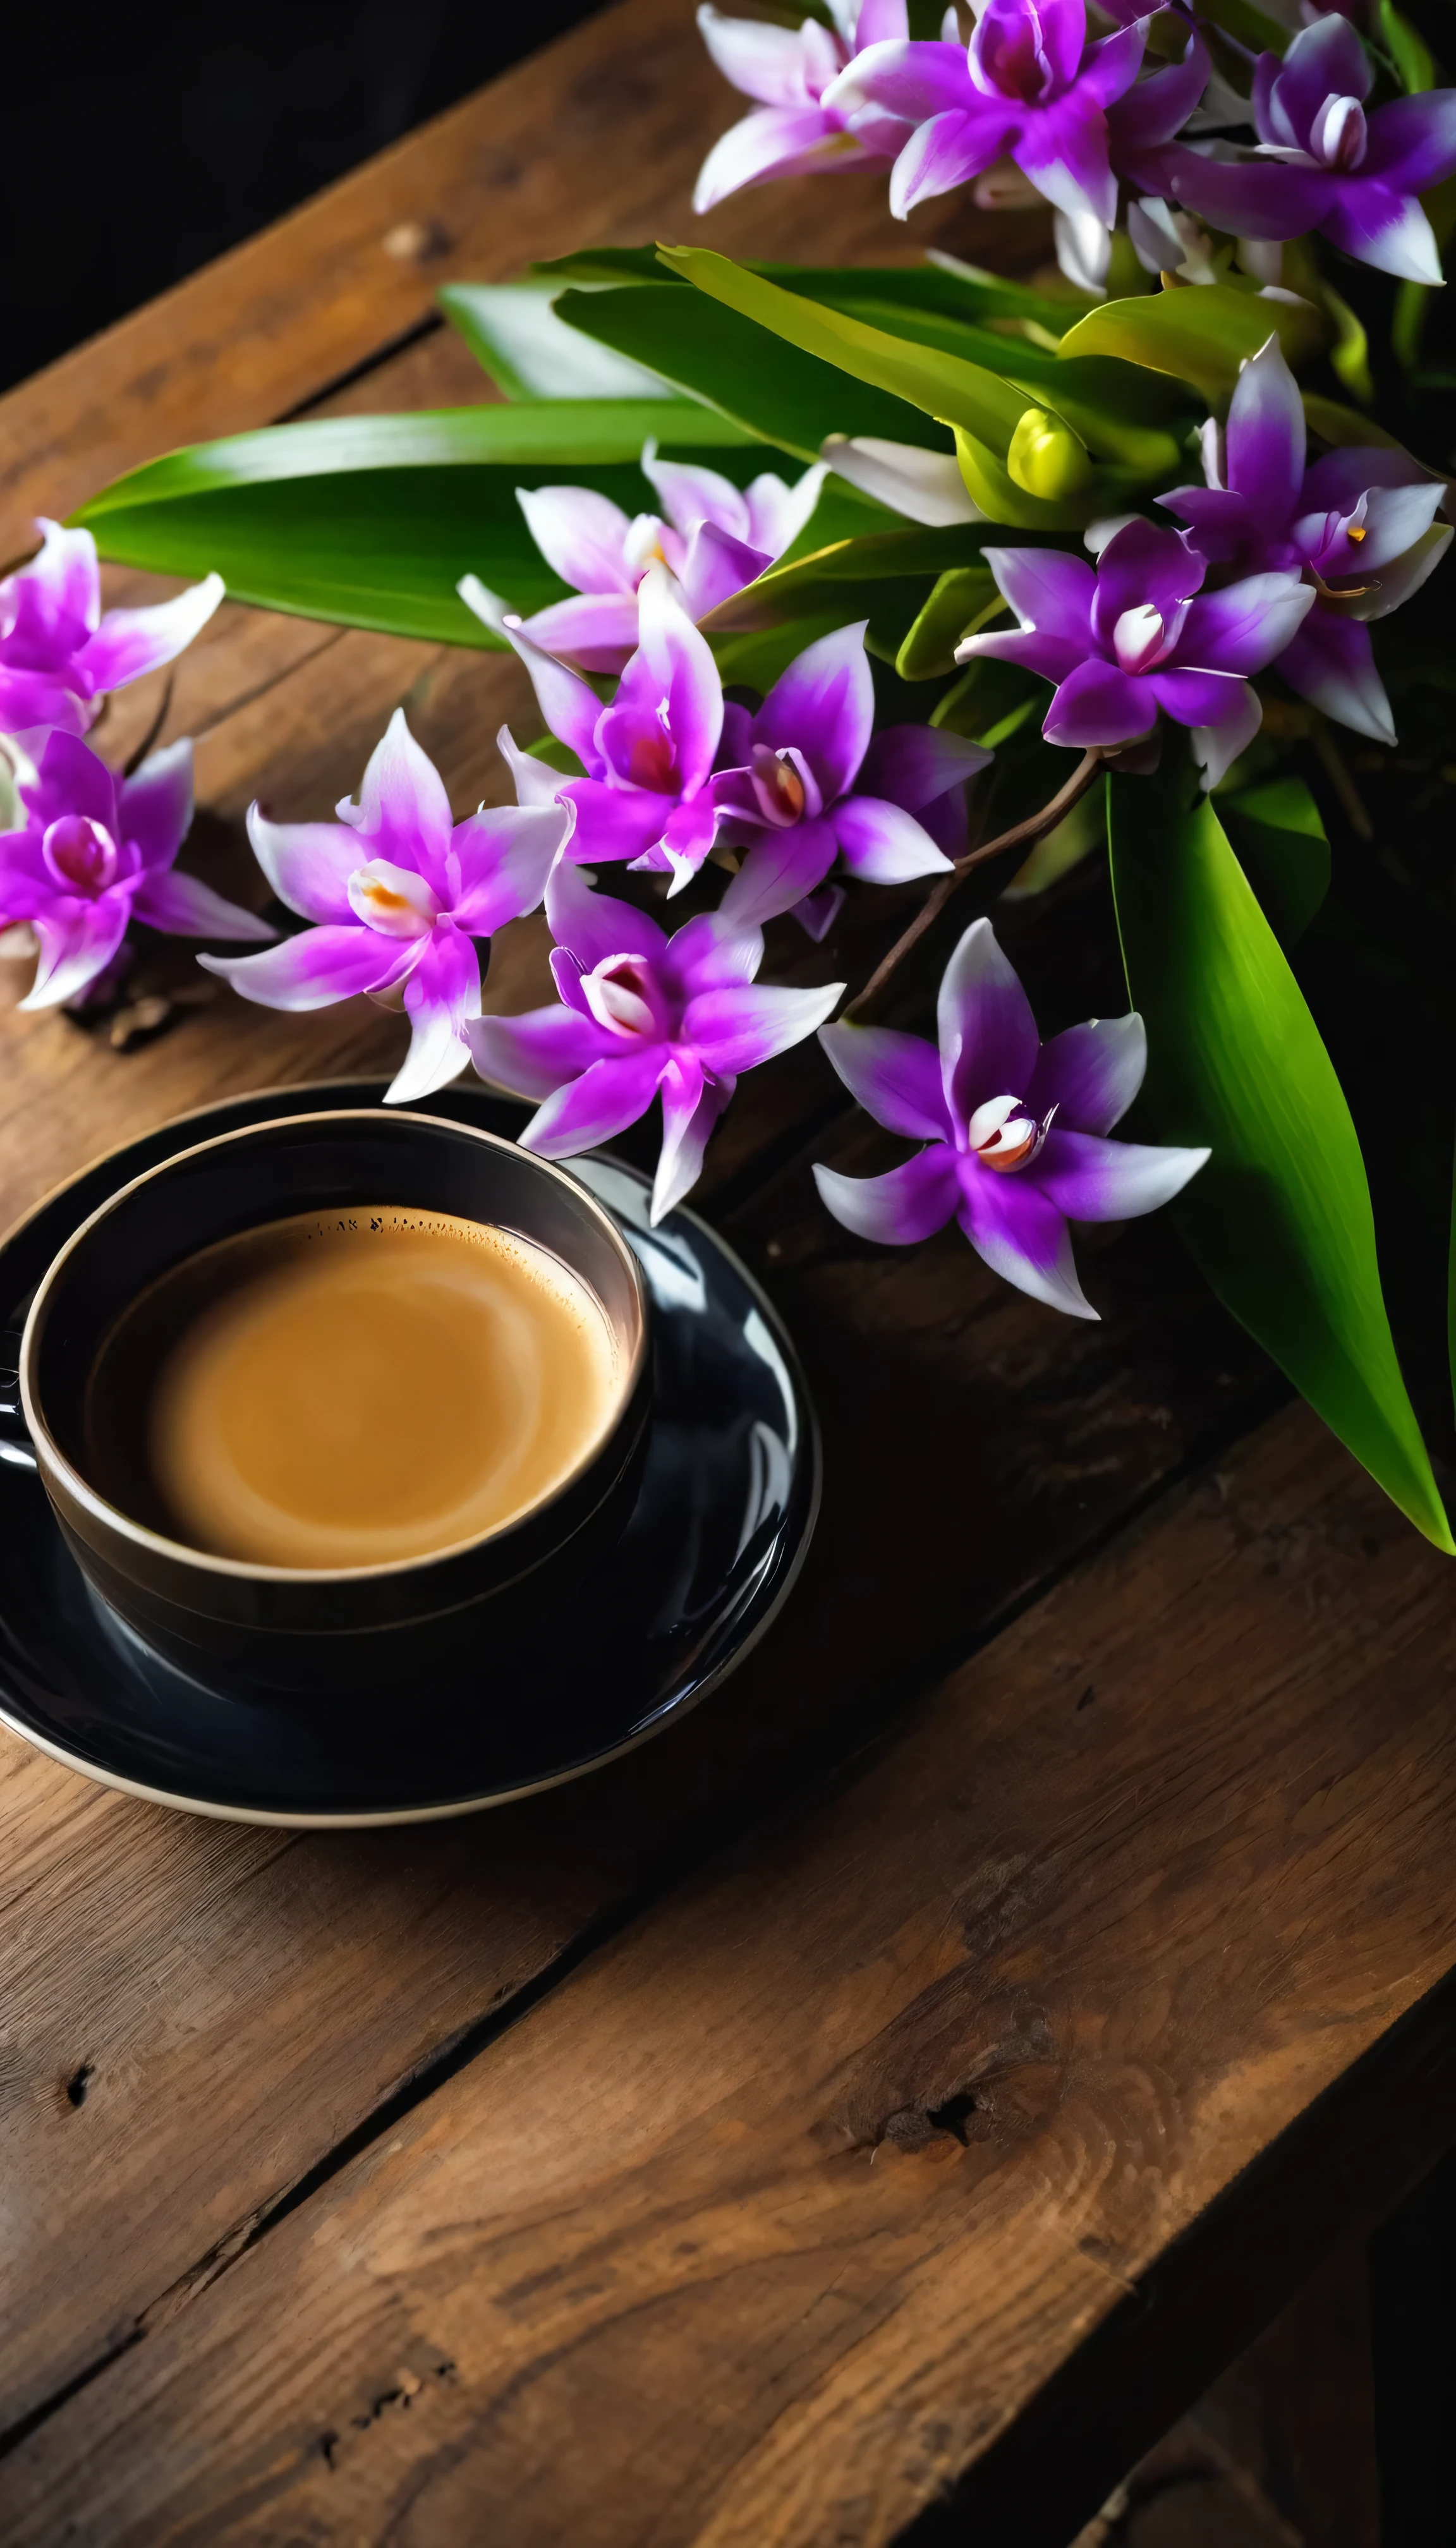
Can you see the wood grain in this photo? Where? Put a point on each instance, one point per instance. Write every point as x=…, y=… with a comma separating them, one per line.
x=763, y=2227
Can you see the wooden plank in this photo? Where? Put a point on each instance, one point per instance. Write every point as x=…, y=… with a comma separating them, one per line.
x=289, y=1986
x=765, y=2225
x=598, y=137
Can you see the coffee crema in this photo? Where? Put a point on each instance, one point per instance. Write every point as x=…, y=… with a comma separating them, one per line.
x=350, y=1389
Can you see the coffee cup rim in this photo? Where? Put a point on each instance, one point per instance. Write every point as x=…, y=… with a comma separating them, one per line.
x=176, y=1551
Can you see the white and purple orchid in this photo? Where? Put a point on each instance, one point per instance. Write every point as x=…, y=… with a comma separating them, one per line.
x=647, y=757
x=1029, y=87
x=96, y=852
x=1321, y=161
x=1138, y=635
x=794, y=130
x=715, y=538
x=1015, y=1131
x=1359, y=527
x=641, y=1014
x=397, y=893
x=60, y=654
x=809, y=781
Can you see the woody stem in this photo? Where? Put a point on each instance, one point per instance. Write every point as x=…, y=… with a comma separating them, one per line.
x=1021, y=836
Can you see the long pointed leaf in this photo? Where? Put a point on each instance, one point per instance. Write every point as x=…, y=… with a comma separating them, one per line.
x=370, y=521
x=522, y=346
x=1280, y=1219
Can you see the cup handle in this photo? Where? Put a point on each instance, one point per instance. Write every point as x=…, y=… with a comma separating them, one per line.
x=14, y=1440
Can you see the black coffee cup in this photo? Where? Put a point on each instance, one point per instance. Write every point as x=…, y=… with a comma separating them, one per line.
x=335, y=1630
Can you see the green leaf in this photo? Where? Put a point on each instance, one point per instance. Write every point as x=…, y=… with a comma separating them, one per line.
x=842, y=576
x=1248, y=25
x=782, y=393
x=940, y=384
x=962, y=598
x=1280, y=1219
x=1279, y=842
x=522, y=346
x=1349, y=355
x=942, y=284
x=1410, y=55
x=1200, y=332
x=991, y=702
x=370, y=521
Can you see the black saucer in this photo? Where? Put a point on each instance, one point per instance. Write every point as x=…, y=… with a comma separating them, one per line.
x=728, y=1499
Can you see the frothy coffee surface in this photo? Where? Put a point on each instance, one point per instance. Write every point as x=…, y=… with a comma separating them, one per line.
x=339, y=1391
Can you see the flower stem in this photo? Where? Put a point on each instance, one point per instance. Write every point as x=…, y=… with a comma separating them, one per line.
x=1021, y=836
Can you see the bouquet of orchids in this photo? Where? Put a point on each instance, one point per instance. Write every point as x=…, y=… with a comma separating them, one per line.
x=849, y=592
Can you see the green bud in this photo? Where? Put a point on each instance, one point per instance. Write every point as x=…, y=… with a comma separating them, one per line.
x=1045, y=458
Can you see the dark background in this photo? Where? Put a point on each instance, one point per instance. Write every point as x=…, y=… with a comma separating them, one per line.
x=143, y=139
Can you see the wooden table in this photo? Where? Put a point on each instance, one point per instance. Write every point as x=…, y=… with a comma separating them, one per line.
x=887, y=2100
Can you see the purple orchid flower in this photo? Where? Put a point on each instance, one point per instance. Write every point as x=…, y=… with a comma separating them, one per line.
x=715, y=539
x=1323, y=163
x=1029, y=87
x=649, y=757
x=807, y=784
x=94, y=853
x=1359, y=527
x=1015, y=1131
x=58, y=655
x=396, y=893
x=1138, y=635
x=641, y=1012
x=794, y=130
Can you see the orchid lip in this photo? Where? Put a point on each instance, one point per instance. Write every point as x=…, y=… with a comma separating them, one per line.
x=393, y=901
x=1004, y=1137
x=1140, y=638
x=618, y=994
x=80, y=854
x=777, y=786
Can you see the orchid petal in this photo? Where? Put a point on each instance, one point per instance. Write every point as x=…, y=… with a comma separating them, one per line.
x=185, y=907
x=402, y=812
x=1325, y=59
x=737, y=1028
x=71, y=780
x=1090, y=1074
x=580, y=534
x=895, y=1078
x=608, y=1097
x=1243, y=627
x=595, y=925
x=1413, y=142
x=1090, y=1179
x=155, y=807
x=781, y=868
x=442, y=994
x=987, y=1034
x=128, y=643
x=1063, y=151
x=691, y=1107
x=909, y=1204
x=1405, y=576
x=1216, y=747
x=61, y=587
x=597, y=631
x=536, y=782
x=77, y=940
x=924, y=486
x=1193, y=697
x=1022, y=1236
x=690, y=495
x=775, y=142
x=948, y=150
x=570, y=708
x=1396, y=517
x=882, y=843
x=1385, y=230
x=716, y=566
x=505, y=852
x=1332, y=664
x=535, y=1055
x=612, y=822
x=1097, y=704
x=765, y=63
x=776, y=514
x=1259, y=199
x=317, y=968
x=914, y=764
x=308, y=864
x=823, y=704
x=712, y=952
x=1049, y=590
x=1265, y=437
x=912, y=81
x=679, y=661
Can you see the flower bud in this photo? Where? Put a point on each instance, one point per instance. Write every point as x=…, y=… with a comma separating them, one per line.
x=1045, y=457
